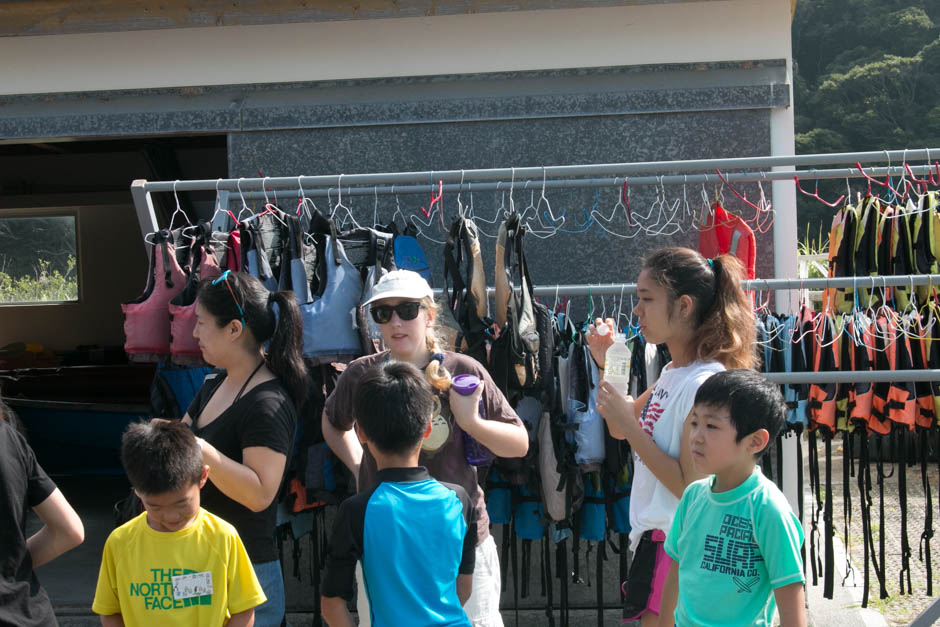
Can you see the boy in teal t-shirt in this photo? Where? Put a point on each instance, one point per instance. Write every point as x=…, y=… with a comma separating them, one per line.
x=734, y=540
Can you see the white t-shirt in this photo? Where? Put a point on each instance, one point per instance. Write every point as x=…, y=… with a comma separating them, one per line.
x=652, y=505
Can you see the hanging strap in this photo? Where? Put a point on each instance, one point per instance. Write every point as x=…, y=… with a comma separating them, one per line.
x=864, y=500
x=561, y=559
x=815, y=564
x=925, y=537
x=829, y=530
x=848, y=471
x=599, y=581
x=881, y=566
x=548, y=584
x=899, y=435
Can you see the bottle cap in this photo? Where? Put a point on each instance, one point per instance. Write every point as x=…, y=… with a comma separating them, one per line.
x=603, y=329
x=465, y=384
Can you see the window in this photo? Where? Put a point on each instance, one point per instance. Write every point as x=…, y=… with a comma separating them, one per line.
x=38, y=260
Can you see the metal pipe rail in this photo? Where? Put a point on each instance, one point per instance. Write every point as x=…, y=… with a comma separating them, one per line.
x=511, y=174
x=860, y=282
x=849, y=376
x=535, y=185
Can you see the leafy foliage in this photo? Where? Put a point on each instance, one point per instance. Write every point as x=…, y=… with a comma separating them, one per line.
x=866, y=77
x=47, y=284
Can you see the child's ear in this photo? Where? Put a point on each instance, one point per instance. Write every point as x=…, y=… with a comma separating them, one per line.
x=204, y=477
x=758, y=441
x=361, y=434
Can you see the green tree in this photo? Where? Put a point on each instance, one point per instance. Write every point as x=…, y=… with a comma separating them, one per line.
x=866, y=77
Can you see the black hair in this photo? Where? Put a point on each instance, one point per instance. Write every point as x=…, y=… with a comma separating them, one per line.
x=9, y=416
x=393, y=404
x=283, y=327
x=752, y=401
x=724, y=323
x=160, y=456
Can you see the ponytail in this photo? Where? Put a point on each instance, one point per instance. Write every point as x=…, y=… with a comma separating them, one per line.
x=284, y=356
x=436, y=373
x=724, y=322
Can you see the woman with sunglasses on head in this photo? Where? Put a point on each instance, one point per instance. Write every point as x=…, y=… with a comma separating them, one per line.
x=402, y=304
x=245, y=414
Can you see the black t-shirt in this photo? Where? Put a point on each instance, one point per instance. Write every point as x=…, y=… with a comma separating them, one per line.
x=23, y=485
x=263, y=416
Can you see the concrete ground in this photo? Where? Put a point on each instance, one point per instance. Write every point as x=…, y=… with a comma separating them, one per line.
x=70, y=580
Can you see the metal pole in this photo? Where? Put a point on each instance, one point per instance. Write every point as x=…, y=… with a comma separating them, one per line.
x=537, y=185
x=542, y=173
x=867, y=282
x=851, y=376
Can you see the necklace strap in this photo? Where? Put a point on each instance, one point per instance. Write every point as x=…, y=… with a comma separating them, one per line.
x=247, y=381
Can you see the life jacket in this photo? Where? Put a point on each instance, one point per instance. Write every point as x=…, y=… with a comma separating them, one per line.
x=924, y=412
x=146, y=319
x=796, y=414
x=892, y=402
x=724, y=233
x=845, y=232
x=408, y=253
x=822, y=396
x=233, y=251
x=861, y=395
x=330, y=319
x=516, y=362
x=465, y=289
x=184, y=348
x=262, y=244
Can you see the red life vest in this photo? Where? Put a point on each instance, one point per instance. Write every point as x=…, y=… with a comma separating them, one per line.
x=723, y=233
x=146, y=319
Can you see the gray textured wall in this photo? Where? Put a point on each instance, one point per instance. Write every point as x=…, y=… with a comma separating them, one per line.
x=590, y=257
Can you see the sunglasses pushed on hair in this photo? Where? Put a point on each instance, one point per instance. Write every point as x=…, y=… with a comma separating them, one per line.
x=224, y=278
x=407, y=310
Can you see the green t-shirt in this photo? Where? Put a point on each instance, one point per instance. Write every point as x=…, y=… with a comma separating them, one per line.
x=733, y=549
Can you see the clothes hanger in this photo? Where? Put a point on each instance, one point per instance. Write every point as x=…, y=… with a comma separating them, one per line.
x=500, y=212
x=347, y=213
x=245, y=206
x=604, y=222
x=178, y=210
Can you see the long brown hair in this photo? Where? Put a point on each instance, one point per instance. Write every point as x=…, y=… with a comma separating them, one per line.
x=435, y=371
x=724, y=321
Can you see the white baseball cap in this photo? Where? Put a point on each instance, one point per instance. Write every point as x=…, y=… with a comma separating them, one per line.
x=400, y=284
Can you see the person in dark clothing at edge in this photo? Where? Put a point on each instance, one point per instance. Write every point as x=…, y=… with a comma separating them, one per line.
x=245, y=414
x=24, y=485
x=416, y=537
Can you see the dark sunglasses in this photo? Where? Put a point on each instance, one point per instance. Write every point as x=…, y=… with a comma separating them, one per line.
x=407, y=310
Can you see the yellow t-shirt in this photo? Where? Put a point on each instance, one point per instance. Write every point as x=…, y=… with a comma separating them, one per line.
x=141, y=570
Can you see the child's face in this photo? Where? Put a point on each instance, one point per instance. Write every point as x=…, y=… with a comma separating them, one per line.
x=652, y=310
x=713, y=442
x=174, y=510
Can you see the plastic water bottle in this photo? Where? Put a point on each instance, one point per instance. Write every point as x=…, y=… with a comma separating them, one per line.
x=476, y=453
x=617, y=368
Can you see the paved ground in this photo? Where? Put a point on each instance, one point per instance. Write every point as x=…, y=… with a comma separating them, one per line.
x=71, y=579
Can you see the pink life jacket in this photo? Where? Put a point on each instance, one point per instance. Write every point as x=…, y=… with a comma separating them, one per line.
x=183, y=346
x=723, y=233
x=146, y=321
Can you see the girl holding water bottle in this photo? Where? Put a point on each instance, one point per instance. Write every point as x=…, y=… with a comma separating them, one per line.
x=697, y=308
x=469, y=415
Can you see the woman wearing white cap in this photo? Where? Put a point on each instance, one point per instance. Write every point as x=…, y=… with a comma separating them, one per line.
x=402, y=304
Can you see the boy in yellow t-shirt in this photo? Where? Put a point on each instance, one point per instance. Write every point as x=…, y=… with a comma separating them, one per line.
x=174, y=564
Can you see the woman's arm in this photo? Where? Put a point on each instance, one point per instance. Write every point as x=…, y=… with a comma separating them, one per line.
x=254, y=482
x=504, y=439
x=344, y=444
x=672, y=473
x=334, y=612
x=62, y=529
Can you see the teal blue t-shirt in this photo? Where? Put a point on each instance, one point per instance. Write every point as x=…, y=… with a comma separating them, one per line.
x=733, y=549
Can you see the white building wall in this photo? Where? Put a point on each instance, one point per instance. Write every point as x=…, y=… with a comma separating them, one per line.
x=492, y=42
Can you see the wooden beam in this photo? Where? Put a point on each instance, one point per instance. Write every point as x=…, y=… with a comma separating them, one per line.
x=60, y=17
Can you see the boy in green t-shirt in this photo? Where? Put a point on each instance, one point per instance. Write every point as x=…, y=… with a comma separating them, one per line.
x=175, y=563
x=734, y=540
